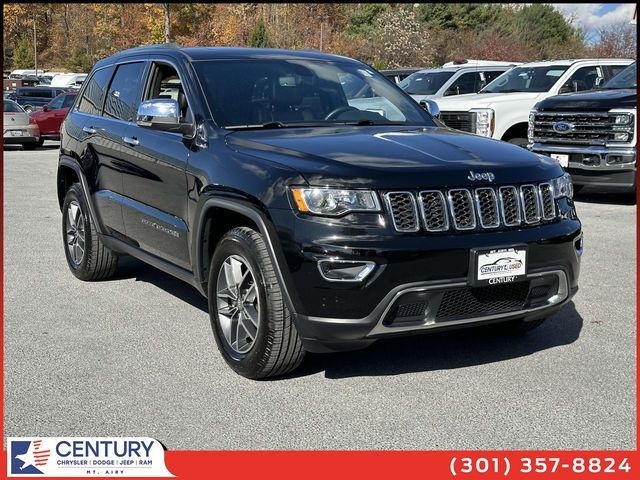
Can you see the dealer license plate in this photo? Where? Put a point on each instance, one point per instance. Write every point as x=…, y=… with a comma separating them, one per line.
x=17, y=133
x=502, y=265
x=562, y=159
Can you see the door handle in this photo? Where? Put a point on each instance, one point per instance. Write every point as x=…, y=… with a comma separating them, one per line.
x=90, y=130
x=133, y=141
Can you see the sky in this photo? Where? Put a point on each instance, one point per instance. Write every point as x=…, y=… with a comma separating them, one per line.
x=594, y=16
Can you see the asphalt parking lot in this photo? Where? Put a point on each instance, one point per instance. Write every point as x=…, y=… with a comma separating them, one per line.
x=134, y=356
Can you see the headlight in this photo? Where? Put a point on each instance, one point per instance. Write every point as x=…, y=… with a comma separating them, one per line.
x=623, y=127
x=622, y=119
x=562, y=186
x=485, y=121
x=334, y=202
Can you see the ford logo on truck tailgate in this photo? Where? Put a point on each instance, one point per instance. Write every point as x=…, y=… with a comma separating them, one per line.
x=563, y=127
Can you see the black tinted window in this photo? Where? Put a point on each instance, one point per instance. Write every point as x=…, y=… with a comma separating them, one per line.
x=68, y=101
x=122, y=99
x=93, y=96
x=35, y=93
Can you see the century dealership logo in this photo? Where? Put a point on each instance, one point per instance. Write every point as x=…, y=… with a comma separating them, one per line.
x=28, y=457
x=81, y=457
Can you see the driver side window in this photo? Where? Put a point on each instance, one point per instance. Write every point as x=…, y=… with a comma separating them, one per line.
x=165, y=83
x=582, y=79
x=56, y=103
x=465, y=83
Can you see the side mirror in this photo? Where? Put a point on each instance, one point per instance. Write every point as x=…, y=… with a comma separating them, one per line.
x=45, y=108
x=160, y=114
x=431, y=107
x=598, y=83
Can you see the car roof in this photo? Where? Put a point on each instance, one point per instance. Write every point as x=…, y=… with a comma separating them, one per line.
x=194, y=54
x=467, y=67
x=569, y=62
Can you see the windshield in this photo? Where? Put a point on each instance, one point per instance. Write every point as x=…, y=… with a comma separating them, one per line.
x=425, y=83
x=625, y=79
x=11, y=107
x=273, y=93
x=526, y=79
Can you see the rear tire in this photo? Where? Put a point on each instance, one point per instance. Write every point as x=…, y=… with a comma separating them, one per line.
x=252, y=326
x=87, y=257
x=32, y=145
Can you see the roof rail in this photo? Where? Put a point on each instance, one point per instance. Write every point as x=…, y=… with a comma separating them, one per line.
x=172, y=46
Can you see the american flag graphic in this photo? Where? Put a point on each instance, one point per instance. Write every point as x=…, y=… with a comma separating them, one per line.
x=40, y=457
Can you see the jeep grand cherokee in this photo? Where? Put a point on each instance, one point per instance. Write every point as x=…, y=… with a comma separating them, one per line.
x=311, y=220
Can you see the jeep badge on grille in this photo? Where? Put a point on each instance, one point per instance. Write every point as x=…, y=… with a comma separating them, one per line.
x=481, y=176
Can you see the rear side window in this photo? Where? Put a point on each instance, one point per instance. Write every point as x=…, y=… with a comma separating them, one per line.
x=94, y=92
x=35, y=93
x=122, y=98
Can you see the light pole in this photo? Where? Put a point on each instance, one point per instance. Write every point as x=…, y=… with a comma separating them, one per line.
x=323, y=18
x=35, y=44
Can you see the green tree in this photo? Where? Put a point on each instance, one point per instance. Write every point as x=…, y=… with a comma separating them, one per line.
x=80, y=61
x=258, y=36
x=360, y=22
x=23, y=54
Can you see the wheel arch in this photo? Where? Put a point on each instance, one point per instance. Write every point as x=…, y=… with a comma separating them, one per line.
x=218, y=216
x=518, y=130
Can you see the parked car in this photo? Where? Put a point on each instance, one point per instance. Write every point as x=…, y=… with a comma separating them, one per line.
x=592, y=134
x=398, y=74
x=18, y=129
x=50, y=117
x=311, y=222
x=452, y=80
x=68, y=80
x=32, y=97
x=501, y=109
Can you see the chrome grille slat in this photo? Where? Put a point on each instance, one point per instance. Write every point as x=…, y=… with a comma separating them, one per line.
x=404, y=214
x=487, y=204
x=433, y=209
x=530, y=203
x=462, y=211
x=510, y=206
x=547, y=201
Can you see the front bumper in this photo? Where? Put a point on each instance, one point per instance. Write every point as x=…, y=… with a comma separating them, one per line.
x=333, y=316
x=607, y=168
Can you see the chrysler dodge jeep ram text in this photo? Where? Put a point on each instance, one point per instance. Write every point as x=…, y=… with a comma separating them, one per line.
x=592, y=134
x=310, y=220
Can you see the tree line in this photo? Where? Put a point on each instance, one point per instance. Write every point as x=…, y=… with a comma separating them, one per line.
x=73, y=36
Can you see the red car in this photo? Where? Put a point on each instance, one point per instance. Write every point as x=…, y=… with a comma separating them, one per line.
x=50, y=116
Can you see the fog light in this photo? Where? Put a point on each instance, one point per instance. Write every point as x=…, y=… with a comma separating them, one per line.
x=345, y=270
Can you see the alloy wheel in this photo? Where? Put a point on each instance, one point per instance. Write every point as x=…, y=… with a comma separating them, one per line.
x=238, y=304
x=75, y=233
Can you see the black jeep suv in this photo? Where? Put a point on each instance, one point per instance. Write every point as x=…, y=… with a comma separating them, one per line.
x=312, y=221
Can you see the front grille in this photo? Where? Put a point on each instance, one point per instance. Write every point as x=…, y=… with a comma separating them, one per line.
x=459, y=120
x=480, y=301
x=546, y=201
x=463, y=209
x=530, y=203
x=403, y=211
x=586, y=128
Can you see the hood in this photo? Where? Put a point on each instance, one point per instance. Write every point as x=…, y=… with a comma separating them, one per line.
x=387, y=157
x=592, y=100
x=480, y=100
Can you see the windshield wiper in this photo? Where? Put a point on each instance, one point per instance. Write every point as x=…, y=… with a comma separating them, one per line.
x=267, y=125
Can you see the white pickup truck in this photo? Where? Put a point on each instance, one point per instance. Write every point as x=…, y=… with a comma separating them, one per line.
x=501, y=109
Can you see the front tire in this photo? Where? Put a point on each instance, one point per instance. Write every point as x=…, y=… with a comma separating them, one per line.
x=87, y=257
x=252, y=326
